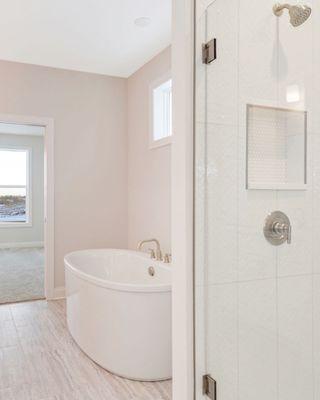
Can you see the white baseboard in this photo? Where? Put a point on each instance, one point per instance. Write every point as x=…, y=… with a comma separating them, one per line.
x=59, y=293
x=18, y=245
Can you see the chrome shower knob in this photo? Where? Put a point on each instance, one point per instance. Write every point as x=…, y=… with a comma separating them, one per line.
x=277, y=228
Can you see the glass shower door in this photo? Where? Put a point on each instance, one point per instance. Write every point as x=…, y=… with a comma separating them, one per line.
x=257, y=151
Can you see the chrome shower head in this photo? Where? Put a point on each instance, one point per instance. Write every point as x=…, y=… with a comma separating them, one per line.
x=298, y=13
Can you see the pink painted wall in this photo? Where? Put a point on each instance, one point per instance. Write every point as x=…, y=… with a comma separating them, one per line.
x=149, y=170
x=90, y=115
x=111, y=190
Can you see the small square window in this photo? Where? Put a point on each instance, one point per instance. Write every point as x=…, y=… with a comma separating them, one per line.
x=161, y=127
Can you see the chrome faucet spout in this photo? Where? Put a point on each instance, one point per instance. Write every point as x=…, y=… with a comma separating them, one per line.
x=158, y=252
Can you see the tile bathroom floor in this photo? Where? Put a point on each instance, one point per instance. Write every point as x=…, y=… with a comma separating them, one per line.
x=40, y=361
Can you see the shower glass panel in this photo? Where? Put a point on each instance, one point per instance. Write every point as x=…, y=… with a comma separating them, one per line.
x=257, y=304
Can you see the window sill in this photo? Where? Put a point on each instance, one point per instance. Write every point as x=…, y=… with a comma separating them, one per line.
x=160, y=143
x=15, y=225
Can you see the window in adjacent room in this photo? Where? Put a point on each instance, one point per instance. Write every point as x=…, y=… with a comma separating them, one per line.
x=161, y=117
x=14, y=187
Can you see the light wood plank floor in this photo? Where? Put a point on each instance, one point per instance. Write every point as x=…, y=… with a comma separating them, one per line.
x=40, y=361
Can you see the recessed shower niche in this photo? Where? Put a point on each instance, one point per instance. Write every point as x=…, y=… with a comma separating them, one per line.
x=276, y=148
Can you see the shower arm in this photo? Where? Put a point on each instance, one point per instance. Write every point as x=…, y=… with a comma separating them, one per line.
x=278, y=8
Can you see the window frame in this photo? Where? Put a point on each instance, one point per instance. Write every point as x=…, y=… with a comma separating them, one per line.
x=28, y=187
x=154, y=85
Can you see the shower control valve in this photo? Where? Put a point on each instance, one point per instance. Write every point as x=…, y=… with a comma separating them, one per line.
x=277, y=228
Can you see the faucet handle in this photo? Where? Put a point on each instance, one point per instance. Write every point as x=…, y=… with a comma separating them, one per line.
x=289, y=234
x=167, y=258
x=284, y=230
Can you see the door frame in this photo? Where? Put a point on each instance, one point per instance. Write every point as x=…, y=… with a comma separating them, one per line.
x=183, y=15
x=48, y=125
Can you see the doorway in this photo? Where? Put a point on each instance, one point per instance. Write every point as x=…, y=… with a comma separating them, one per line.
x=26, y=232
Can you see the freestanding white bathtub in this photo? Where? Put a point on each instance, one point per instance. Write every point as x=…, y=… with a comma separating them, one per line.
x=119, y=313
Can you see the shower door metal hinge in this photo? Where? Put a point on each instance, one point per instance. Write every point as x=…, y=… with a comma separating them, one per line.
x=209, y=386
x=209, y=51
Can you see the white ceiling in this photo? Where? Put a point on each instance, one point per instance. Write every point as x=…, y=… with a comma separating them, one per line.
x=85, y=35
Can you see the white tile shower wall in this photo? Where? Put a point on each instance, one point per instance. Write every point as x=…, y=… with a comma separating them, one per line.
x=295, y=67
x=295, y=338
x=257, y=340
x=222, y=202
x=222, y=343
x=316, y=206
x=201, y=209
x=257, y=63
x=222, y=78
x=260, y=305
x=315, y=120
x=316, y=334
x=201, y=81
x=201, y=355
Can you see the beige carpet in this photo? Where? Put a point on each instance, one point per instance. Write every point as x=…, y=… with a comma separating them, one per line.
x=21, y=274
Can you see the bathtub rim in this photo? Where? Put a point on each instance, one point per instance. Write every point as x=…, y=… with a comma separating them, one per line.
x=116, y=286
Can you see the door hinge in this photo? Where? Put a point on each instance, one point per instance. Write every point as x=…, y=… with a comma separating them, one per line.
x=209, y=386
x=209, y=51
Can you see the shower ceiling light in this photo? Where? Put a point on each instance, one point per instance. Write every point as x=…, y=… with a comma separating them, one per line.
x=142, y=22
x=293, y=94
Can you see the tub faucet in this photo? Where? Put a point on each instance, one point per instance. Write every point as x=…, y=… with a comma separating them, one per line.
x=157, y=253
